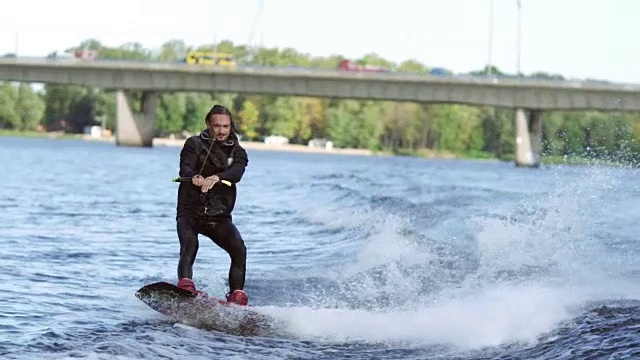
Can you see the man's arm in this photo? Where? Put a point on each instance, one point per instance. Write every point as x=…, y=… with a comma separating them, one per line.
x=188, y=159
x=236, y=170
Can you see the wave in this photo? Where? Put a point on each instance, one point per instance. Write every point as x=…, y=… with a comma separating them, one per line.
x=505, y=276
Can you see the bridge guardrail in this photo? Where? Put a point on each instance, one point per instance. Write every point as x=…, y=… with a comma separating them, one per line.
x=275, y=70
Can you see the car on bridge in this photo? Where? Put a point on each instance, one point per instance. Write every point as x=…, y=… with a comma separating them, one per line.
x=86, y=54
x=79, y=54
x=348, y=65
x=439, y=71
x=225, y=60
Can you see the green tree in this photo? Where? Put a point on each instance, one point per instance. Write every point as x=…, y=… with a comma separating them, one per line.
x=412, y=66
x=30, y=106
x=60, y=102
x=287, y=118
x=340, y=123
x=170, y=114
x=172, y=50
x=196, y=107
x=249, y=120
x=9, y=116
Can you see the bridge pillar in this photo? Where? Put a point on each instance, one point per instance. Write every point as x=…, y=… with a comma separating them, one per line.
x=535, y=133
x=135, y=129
x=528, y=138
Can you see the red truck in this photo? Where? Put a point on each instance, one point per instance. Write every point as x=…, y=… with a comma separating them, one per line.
x=348, y=65
x=85, y=54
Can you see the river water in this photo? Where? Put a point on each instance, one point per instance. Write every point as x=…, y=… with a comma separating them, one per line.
x=356, y=257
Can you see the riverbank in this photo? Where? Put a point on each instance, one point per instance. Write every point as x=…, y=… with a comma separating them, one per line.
x=249, y=145
x=38, y=134
x=254, y=145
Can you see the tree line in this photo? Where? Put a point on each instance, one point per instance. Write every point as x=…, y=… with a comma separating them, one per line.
x=398, y=127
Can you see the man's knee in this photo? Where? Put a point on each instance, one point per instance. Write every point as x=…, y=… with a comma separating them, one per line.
x=187, y=236
x=238, y=250
x=188, y=248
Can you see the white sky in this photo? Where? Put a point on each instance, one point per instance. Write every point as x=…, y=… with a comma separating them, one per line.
x=575, y=38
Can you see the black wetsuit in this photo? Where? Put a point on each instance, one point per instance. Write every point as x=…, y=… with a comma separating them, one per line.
x=209, y=213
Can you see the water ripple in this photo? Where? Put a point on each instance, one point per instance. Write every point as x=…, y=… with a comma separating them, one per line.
x=445, y=259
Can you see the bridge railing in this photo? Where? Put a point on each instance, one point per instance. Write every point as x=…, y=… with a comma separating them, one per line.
x=283, y=70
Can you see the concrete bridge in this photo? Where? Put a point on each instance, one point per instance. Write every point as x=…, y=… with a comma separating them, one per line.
x=529, y=97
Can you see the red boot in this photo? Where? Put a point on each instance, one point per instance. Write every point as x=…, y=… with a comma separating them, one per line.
x=187, y=284
x=238, y=297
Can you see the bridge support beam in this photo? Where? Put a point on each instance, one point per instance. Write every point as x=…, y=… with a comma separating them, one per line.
x=528, y=138
x=135, y=128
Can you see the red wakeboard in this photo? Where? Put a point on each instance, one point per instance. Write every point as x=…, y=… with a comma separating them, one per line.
x=203, y=311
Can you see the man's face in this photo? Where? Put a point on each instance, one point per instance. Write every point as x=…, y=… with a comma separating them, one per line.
x=219, y=126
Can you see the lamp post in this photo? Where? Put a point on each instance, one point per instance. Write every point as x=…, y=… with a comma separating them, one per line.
x=490, y=50
x=519, y=42
x=257, y=25
x=215, y=36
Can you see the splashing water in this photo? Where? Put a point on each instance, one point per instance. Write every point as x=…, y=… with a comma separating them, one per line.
x=533, y=271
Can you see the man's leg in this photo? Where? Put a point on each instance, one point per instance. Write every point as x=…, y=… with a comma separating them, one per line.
x=225, y=234
x=188, y=236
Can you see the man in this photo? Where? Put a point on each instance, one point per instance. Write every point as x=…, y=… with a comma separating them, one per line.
x=205, y=204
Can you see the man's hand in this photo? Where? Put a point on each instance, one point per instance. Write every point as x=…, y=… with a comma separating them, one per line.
x=197, y=180
x=209, y=182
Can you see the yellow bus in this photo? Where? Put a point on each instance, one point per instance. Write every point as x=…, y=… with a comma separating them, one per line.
x=225, y=60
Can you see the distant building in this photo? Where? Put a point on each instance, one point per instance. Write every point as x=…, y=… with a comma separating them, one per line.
x=93, y=131
x=276, y=140
x=321, y=143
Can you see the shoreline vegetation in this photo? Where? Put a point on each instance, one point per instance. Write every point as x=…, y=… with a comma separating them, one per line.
x=173, y=142
x=256, y=145
x=249, y=145
x=427, y=130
